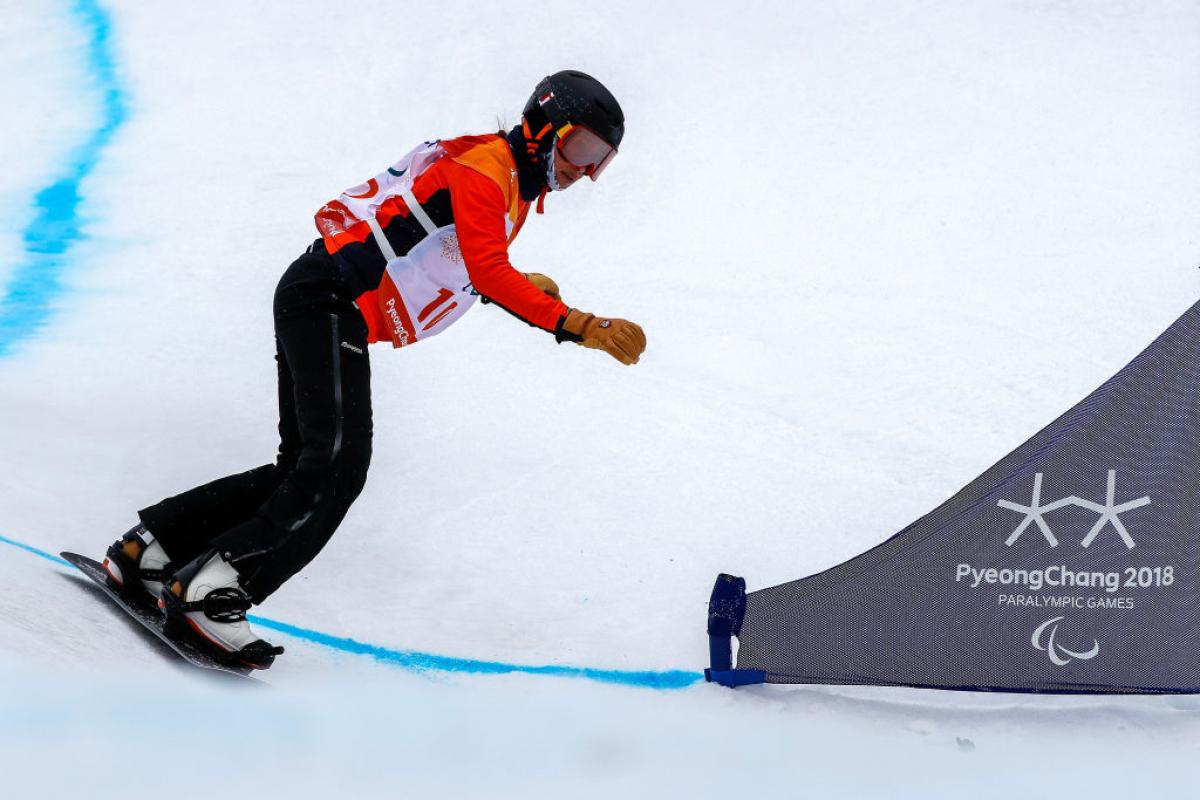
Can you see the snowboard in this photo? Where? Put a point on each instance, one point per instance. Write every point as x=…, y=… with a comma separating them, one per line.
x=193, y=653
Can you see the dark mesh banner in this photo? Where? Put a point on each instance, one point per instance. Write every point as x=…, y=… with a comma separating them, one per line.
x=1070, y=565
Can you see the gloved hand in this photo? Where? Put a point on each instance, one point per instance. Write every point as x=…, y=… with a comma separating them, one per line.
x=620, y=338
x=544, y=283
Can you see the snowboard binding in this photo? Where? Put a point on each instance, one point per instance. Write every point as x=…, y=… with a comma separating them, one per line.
x=205, y=602
x=137, y=565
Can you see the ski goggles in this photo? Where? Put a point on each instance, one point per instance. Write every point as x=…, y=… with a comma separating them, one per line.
x=585, y=149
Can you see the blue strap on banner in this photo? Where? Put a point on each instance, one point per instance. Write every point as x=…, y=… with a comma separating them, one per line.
x=735, y=677
x=726, y=609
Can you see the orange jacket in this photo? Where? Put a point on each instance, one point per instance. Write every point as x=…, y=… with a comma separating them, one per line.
x=415, y=274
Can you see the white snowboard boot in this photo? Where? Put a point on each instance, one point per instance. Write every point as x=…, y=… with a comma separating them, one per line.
x=137, y=565
x=205, y=600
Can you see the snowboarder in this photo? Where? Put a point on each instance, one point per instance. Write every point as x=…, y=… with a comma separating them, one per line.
x=399, y=259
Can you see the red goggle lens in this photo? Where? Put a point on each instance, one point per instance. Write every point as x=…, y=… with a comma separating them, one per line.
x=585, y=149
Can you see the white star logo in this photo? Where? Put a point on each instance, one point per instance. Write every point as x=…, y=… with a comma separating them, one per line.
x=1033, y=513
x=1109, y=513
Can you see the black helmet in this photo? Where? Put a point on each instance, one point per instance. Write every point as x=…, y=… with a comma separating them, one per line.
x=576, y=98
x=576, y=106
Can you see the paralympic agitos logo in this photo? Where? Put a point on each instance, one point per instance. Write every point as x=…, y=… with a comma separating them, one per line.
x=1045, y=639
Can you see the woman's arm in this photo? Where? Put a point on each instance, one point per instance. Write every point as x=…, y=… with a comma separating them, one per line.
x=479, y=214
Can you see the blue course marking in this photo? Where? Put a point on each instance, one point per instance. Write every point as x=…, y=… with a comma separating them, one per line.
x=409, y=659
x=28, y=298
x=36, y=552
x=424, y=662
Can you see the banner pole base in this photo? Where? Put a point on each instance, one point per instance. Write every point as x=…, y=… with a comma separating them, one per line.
x=726, y=610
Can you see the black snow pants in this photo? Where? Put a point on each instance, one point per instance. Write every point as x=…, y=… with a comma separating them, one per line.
x=271, y=521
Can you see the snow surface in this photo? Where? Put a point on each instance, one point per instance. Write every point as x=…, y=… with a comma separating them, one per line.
x=874, y=246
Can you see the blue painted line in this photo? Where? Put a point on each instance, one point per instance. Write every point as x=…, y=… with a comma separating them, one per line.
x=36, y=552
x=30, y=295
x=427, y=662
x=420, y=662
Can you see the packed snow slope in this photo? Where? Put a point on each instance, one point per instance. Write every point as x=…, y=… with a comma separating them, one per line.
x=874, y=246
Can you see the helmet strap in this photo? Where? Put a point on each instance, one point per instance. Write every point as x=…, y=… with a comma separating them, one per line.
x=533, y=147
x=533, y=143
x=551, y=177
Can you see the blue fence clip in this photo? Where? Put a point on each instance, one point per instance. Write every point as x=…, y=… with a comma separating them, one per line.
x=726, y=609
x=735, y=677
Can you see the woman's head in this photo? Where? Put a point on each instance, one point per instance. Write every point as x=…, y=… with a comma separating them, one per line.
x=573, y=126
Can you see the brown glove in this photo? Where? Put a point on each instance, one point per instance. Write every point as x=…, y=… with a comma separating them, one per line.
x=544, y=283
x=620, y=338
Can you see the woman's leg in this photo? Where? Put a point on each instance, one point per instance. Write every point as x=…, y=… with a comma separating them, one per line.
x=323, y=341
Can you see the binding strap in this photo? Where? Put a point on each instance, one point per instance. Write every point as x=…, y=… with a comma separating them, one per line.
x=159, y=575
x=221, y=605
